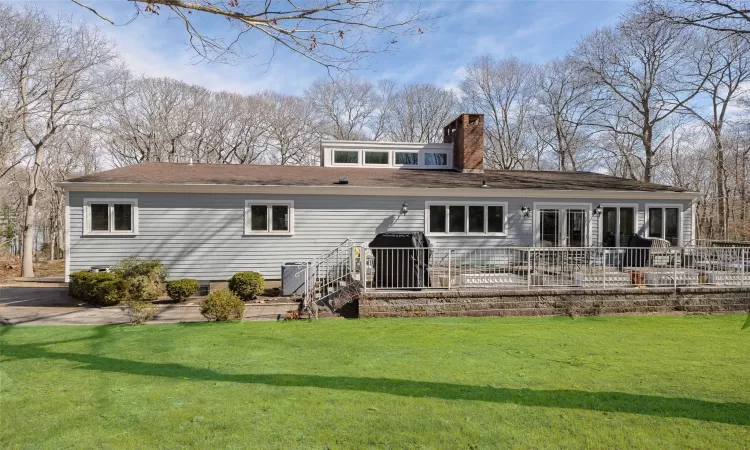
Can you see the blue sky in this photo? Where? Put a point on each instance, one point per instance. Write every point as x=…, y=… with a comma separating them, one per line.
x=531, y=30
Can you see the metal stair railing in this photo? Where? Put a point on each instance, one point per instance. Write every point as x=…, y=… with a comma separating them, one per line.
x=329, y=275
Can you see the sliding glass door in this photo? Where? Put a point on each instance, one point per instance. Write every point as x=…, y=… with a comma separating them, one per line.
x=562, y=226
x=618, y=225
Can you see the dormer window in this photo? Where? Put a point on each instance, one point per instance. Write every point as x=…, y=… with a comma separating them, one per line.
x=383, y=155
x=407, y=158
x=376, y=158
x=435, y=159
x=346, y=157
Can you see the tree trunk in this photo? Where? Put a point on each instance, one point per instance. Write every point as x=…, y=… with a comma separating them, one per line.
x=721, y=188
x=27, y=253
x=648, y=150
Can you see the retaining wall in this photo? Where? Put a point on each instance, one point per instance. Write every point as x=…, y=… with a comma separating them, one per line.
x=548, y=303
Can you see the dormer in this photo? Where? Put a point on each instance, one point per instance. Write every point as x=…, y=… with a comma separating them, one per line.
x=462, y=149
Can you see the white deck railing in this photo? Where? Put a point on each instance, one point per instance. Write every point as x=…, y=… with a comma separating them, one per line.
x=336, y=274
x=551, y=268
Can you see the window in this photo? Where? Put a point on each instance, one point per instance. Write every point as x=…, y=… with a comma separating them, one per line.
x=437, y=218
x=376, y=158
x=456, y=219
x=618, y=225
x=407, y=158
x=110, y=216
x=472, y=219
x=346, y=157
x=276, y=217
x=435, y=159
x=664, y=223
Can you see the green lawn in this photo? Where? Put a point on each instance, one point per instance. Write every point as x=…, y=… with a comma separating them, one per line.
x=601, y=382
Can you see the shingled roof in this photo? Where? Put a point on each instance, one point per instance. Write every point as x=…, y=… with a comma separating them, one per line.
x=264, y=175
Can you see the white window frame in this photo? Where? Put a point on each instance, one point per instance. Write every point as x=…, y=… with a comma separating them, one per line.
x=466, y=218
x=436, y=153
x=269, y=204
x=111, y=202
x=366, y=164
x=395, y=164
x=663, y=206
x=360, y=158
x=562, y=206
x=617, y=234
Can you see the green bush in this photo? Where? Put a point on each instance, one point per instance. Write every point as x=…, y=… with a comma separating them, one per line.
x=99, y=288
x=133, y=266
x=247, y=285
x=144, y=288
x=222, y=305
x=180, y=290
x=146, y=276
x=140, y=312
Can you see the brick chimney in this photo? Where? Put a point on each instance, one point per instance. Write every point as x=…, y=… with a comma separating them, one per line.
x=466, y=133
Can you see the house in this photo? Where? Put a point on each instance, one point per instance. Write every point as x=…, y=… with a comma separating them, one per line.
x=208, y=221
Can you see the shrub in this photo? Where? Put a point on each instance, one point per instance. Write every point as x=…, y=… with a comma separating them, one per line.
x=222, y=305
x=144, y=288
x=133, y=266
x=112, y=292
x=99, y=288
x=180, y=290
x=140, y=312
x=146, y=276
x=247, y=285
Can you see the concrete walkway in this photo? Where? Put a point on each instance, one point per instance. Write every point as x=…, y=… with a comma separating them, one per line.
x=33, y=304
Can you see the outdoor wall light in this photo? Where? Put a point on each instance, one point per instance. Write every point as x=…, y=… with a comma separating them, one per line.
x=404, y=209
x=598, y=211
x=525, y=212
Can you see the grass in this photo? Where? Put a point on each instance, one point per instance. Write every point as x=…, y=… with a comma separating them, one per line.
x=602, y=382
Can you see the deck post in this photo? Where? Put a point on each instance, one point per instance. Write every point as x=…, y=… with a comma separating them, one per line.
x=674, y=261
x=450, y=252
x=604, y=268
x=742, y=267
x=528, y=269
x=362, y=267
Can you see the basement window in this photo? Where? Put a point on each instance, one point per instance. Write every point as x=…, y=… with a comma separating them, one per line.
x=269, y=217
x=110, y=217
x=466, y=219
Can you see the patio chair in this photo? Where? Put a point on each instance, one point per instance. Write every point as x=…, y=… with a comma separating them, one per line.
x=661, y=253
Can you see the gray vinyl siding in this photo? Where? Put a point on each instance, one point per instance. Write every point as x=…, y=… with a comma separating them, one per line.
x=202, y=235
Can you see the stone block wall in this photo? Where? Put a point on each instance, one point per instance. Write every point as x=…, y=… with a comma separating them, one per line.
x=549, y=303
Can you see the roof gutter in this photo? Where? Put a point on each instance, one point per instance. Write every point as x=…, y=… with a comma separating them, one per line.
x=369, y=190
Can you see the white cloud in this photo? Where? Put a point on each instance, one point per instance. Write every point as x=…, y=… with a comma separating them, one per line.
x=167, y=56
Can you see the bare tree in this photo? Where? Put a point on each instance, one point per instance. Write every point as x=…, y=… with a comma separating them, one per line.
x=503, y=90
x=55, y=79
x=291, y=138
x=343, y=108
x=336, y=34
x=726, y=16
x=564, y=110
x=417, y=112
x=644, y=72
x=725, y=66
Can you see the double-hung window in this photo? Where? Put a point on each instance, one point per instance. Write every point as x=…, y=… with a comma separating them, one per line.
x=466, y=218
x=269, y=217
x=110, y=216
x=664, y=222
